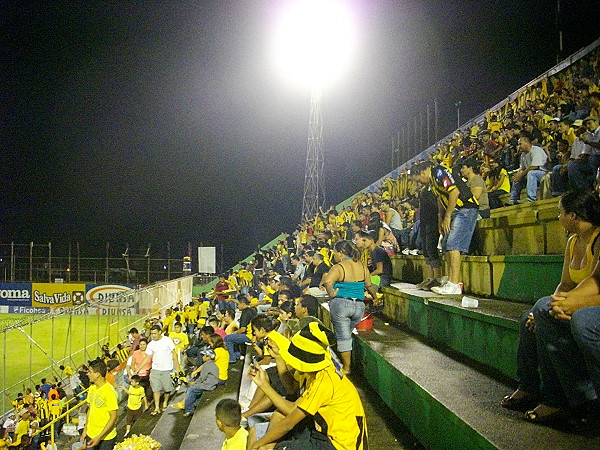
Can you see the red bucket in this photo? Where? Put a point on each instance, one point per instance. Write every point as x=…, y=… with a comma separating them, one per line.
x=366, y=323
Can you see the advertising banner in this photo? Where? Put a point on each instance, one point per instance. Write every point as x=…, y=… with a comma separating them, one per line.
x=111, y=299
x=28, y=310
x=54, y=295
x=15, y=294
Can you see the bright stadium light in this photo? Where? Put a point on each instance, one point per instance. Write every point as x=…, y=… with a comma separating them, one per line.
x=314, y=40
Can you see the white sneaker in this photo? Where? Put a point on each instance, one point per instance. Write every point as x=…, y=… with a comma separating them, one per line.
x=405, y=251
x=447, y=289
x=413, y=252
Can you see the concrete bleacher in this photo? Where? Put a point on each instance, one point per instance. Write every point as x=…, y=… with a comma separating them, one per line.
x=443, y=368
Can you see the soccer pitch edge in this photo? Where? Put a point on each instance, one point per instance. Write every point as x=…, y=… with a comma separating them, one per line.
x=18, y=355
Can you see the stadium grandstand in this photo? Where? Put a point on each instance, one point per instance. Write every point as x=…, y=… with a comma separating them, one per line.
x=439, y=356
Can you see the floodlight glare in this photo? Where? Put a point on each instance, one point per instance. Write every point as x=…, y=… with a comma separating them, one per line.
x=314, y=40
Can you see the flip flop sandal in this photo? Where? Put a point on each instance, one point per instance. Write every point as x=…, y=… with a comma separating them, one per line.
x=534, y=417
x=154, y=413
x=164, y=408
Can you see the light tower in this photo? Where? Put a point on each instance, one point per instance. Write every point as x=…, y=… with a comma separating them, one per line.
x=314, y=182
x=314, y=44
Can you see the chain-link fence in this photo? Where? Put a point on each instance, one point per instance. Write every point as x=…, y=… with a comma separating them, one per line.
x=33, y=346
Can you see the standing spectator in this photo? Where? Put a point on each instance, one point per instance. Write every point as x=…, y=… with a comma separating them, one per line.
x=164, y=360
x=135, y=339
x=142, y=371
x=99, y=431
x=457, y=216
x=222, y=299
x=430, y=236
x=345, y=283
x=134, y=402
x=531, y=169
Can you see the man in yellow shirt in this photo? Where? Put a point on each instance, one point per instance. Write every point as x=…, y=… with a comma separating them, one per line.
x=330, y=397
x=99, y=431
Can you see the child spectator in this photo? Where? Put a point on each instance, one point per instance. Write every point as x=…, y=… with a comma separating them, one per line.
x=134, y=403
x=204, y=378
x=228, y=416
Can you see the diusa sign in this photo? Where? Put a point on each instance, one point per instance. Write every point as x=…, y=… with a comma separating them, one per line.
x=109, y=295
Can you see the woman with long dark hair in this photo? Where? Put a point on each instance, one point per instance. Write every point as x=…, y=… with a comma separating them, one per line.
x=550, y=342
x=345, y=283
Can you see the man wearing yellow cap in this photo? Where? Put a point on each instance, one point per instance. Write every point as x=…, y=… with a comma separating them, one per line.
x=330, y=397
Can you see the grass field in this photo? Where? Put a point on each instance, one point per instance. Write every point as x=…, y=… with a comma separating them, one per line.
x=75, y=337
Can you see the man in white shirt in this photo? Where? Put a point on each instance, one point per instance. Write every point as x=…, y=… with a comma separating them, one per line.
x=531, y=169
x=164, y=358
x=582, y=171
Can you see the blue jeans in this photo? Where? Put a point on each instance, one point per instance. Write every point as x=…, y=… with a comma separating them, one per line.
x=568, y=355
x=462, y=226
x=345, y=315
x=527, y=362
x=232, y=342
x=531, y=181
x=192, y=395
x=582, y=173
x=558, y=181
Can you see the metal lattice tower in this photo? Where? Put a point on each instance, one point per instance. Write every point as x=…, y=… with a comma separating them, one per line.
x=314, y=182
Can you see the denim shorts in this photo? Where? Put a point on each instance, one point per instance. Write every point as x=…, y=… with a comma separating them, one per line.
x=462, y=226
x=345, y=315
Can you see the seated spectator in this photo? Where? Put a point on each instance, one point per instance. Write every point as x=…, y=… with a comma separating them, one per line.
x=330, y=398
x=582, y=171
x=470, y=171
x=531, y=169
x=383, y=233
x=243, y=334
x=221, y=357
x=202, y=343
x=379, y=263
x=538, y=383
x=499, y=184
x=314, y=275
x=228, y=416
x=205, y=377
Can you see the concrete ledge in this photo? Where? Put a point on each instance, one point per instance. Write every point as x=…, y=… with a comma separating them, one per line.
x=488, y=334
x=525, y=229
x=443, y=402
x=202, y=432
x=521, y=278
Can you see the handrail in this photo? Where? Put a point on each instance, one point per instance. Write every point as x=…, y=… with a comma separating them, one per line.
x=53, y=421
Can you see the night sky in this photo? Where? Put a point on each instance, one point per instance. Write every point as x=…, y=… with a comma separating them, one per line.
x=147, y=122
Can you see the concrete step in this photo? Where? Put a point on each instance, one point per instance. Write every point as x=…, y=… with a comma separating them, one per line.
x=488, y=334
x=202, y=432
x=521, y=278
x=444, y=402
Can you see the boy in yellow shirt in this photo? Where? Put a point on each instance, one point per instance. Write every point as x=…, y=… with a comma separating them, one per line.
x=134, y=402
x=228, y=416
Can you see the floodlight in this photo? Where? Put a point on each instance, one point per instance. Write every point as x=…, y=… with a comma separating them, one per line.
x=314, y=40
